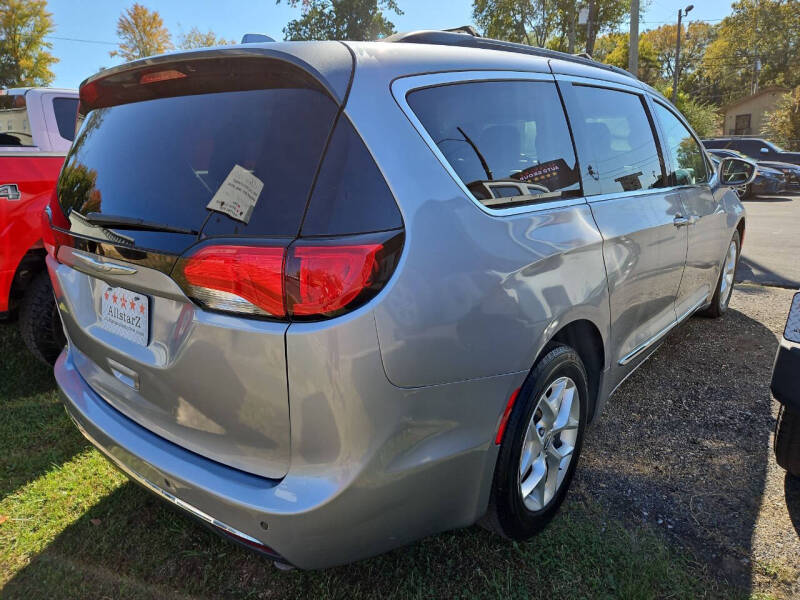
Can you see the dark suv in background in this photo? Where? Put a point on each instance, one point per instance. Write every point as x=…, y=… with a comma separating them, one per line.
x=758, y=148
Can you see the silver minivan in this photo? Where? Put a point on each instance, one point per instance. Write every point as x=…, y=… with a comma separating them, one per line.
x=332, y=297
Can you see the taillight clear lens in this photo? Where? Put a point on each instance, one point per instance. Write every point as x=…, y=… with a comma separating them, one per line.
x=244, y=279
x=325, y=279
x=311, y=279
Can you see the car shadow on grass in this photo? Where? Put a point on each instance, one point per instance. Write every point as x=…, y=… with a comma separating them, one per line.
x=132, y=545
x=684, y=444
x=35, y=433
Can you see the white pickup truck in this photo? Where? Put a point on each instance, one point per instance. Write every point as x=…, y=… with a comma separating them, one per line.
x=37, y=126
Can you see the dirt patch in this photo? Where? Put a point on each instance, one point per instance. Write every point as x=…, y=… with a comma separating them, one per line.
x=686, y=446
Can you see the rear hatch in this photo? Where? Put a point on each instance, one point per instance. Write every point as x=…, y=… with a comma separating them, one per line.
x=172, y=154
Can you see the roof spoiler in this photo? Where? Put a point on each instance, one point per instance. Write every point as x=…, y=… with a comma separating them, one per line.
x=256, y=38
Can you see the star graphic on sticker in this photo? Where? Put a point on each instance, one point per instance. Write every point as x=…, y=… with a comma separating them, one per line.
x=106, y=294
x=141, y=308
x=114, y=297
x=133, y=306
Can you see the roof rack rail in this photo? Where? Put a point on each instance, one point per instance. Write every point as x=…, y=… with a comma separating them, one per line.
x=467, y=36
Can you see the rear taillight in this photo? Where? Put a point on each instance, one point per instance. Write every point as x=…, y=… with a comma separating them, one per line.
x=245, y=279
x=53, y=216
x=308, y=279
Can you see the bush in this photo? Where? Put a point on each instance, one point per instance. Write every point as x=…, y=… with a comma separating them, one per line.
x=782, y=125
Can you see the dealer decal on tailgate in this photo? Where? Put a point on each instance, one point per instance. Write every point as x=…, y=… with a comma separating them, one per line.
x=125, y=313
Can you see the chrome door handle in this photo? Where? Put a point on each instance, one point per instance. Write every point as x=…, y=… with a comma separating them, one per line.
x=99, y=265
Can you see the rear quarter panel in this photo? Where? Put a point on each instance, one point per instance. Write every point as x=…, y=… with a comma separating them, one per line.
x=475, y=295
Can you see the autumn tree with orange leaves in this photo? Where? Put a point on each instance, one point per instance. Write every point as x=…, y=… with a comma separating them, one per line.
x=142, y=33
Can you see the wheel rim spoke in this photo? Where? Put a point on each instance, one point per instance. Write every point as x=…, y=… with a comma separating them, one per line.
x=549, y=443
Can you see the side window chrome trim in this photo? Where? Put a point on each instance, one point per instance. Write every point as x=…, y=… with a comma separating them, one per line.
x=602, y=83
x=403, y=86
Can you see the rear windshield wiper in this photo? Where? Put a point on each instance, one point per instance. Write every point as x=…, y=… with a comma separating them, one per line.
x=102, y=220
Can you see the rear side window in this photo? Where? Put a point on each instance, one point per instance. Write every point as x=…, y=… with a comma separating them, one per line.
x=615, y=140
x=687, y=160
x=66, y=111
x=508, y=141
x=184, y=152
x=351, y=195
x=15, y=129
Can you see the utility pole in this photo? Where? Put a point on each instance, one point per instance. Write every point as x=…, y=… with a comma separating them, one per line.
x=571, y=30
x=681, y=13
x=590, y=18
x=633, y=40
x=757, y=62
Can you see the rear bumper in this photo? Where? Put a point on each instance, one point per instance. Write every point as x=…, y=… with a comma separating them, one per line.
x=429, y=475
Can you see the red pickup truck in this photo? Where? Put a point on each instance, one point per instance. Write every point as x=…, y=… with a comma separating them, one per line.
x=37, y=127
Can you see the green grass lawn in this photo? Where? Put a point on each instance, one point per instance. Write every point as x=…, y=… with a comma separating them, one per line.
x=73, y=527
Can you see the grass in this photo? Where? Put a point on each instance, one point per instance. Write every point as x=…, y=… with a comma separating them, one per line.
x=76, y=528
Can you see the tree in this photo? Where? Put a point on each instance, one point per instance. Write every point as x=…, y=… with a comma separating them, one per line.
x=757, y=30
x=613, y=49
x=695, y=39
x=195, y=38
x=783, y=124
x=25, y=59
x=142, y=33
x=546, y=22
x=341, y=20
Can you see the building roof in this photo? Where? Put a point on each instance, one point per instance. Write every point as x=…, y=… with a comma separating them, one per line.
x=761, y=92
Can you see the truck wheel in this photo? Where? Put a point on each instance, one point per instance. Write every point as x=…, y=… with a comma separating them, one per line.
x=787, y=441
x=540, y=446
x=39, y=323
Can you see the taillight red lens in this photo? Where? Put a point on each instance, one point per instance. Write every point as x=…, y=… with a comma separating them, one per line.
x=328, y=278
x=223, y=277
x=308, y=279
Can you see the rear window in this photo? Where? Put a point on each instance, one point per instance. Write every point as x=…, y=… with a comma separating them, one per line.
x=238, y=162
x=15, y=129
x=508, y=141
x=66, y=111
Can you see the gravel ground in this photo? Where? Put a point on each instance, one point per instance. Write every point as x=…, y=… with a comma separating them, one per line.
x=686, y=445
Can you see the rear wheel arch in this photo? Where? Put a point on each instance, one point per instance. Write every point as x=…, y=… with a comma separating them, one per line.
x=584, y=337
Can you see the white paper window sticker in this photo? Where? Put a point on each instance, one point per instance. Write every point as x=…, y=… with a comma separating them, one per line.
x=238, y=194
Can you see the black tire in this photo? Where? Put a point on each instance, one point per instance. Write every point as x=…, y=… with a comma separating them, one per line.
x=787, y=441
x=717, y=308
x=507, y=514
x=39, y=323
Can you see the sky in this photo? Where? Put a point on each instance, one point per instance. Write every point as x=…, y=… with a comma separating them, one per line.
x=85, y=30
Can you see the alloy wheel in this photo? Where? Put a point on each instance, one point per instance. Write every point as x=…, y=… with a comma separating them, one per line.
x=549, y=443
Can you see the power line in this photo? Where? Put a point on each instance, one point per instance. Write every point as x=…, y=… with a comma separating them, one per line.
x=69, y=39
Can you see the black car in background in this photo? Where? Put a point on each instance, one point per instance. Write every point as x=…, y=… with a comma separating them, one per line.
x=754, y=147
x=767, y=181
x=790, y=171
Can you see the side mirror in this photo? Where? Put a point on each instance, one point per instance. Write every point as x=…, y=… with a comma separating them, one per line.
x=736, y=171
x=764, y=150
